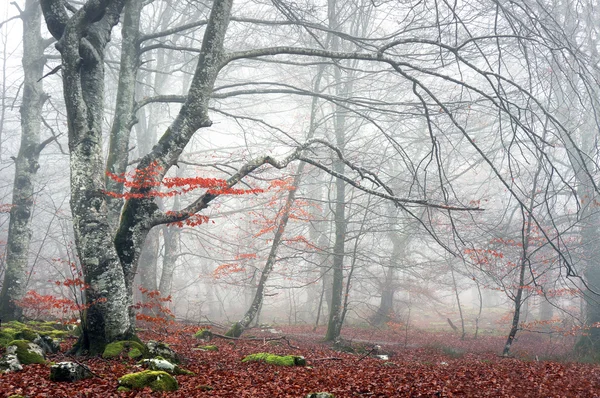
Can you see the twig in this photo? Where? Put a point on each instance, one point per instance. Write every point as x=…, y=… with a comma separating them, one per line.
x=375, y=348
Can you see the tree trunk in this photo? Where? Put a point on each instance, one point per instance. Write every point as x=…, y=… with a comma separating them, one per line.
x=118, y=152
x=171, y=249
x=26, y=164
x=147, y=265
x=524, y=262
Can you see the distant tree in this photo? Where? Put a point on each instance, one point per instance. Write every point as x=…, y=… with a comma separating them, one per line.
x=26, y=163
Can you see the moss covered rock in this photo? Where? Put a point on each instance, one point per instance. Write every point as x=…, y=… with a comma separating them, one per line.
x=6, y=337
x=160, y=363
x=155, y=379
x=320, y=395
x=236, y=330
x=203, y=334
x=279, y=360
x=26, y=351
x=26, y=334
x=132, y=349
x=160, y=349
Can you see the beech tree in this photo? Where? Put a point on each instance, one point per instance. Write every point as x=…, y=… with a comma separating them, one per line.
x=26, y=162
x=442, y=76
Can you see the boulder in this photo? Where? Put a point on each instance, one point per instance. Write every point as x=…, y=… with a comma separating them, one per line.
x=48, y=344
x=10, y=363
x=69, y=371
x=26, y=351
x=204, y=334
x=160, y=349
x=155, y=379
x=133, y=349
x=160, y=363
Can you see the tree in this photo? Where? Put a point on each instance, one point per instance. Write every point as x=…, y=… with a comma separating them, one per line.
x=26, y=163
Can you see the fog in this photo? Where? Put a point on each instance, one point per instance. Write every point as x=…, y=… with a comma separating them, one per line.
x=389, y=165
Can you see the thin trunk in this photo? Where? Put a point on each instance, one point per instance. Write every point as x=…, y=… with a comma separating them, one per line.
x=26, y=164
x=147, y=266
x=334, y=326
x=238, y=328
x=524, y=261
x=462, y=319
x=171, y=249
x=118, y=153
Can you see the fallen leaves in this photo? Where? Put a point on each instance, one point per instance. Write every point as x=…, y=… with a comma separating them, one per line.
x=417, y=371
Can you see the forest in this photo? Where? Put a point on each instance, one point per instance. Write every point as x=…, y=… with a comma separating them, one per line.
x=309, y=198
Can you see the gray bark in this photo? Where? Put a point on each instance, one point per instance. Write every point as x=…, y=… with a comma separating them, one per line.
x=81, y=42
x=171, y=249
x=26, y=164
x=118, y=152
x=390, y=284
x=148, y=260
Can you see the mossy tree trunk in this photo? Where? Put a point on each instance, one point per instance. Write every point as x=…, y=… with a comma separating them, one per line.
x=109, y=261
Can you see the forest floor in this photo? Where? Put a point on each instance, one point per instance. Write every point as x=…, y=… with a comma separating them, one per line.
x=419, y=364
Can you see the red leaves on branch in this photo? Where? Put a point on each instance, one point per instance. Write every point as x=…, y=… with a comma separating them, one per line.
x=154, y=311
x=145, y=183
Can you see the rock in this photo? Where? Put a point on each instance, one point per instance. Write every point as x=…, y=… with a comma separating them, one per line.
x=320, y=395
x=26, y=351
x=159, y=349
x=10, y=363
x=69, y=371
x=286, y=360
x=164, y=365
x=155, y=379
x=133, y=349
x=203, y=334
x=48, y=344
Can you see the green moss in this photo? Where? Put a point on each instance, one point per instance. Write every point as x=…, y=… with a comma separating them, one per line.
x=26, y=334
x=16, y=325
x=286, y=360
x=205, y=387
x=135, y=353
x=118, y=348
x=25, y=356
x=16, y=396
x=203, y=334
x=236, y=330
x=156, y=380
x=6, y=337
x=209, y=348
x=55, y=334
x=123, y=389
x=320, y=395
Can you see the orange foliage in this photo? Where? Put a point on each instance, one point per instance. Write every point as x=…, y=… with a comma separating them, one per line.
x=147, y=181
